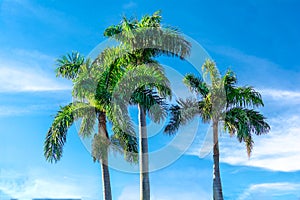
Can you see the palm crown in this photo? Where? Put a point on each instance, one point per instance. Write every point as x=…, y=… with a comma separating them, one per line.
x=222, y=101
x=92, y=87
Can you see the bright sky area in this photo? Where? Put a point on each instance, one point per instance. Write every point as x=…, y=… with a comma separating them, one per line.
x=259, y=40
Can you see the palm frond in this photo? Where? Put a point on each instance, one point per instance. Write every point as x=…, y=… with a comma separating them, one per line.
x=57, y=133
x=181, y=114
x=243, y=122
x=69, y=65
x=243, y=97
x=56, y=136
x=229, y=79
x=125, y=143
x=152, y=102
x=100, y=145
x=143, y=76
x=196, y=84
x=211, y=74
x=148, y=38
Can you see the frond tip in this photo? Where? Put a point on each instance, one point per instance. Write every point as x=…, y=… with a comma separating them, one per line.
x=243, y=122
x=56, y=136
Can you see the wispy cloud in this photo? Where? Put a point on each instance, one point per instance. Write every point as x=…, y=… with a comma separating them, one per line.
x=35, y=185
x=169, y=188
x=129, y=5
x=164, y=193
x=286, y=97
x=28, y=72
x=278, y=150
x=26, y=79
x=11, y=9
x=177, y=192
x=269, y=190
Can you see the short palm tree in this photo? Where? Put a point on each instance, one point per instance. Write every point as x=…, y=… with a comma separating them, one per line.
x=147, y=39
x=221, y=101
x=92, y=87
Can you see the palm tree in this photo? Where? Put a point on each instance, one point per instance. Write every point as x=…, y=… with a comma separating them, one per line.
x=221, y=101
x=92, y=87
x=146, y=40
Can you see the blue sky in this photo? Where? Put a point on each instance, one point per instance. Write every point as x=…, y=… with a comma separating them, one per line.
x=257, y=39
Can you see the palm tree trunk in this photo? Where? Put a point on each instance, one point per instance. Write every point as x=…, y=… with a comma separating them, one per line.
x=102, y=130
x=144, y=160
x=217, y=185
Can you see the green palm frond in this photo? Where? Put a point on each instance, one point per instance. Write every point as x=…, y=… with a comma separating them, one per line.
x=88, y=121
x=196, y=84
x=181, y=114
x=243, y=97
x=243, y=122
x=119, y=116
x=56, y=136
x=152, y=102
x=229, y=79
x=174, y=122
x=125, y=143
x=211, y=74
x=69, y=65
x=148, y=38
x=100, y=145
x=112, y=56
x=85, y=82
x=143, y=76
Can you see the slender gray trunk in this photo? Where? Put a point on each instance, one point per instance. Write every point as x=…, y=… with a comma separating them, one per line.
x=217, y=185
x=143, y=156
x=102, y=130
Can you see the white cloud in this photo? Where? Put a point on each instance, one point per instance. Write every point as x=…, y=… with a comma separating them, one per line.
x=12, y=111
x=130, y=193
x=26, y=79
x=163, y=193
x=129, y=5
x=10, y=9
x=286, y=97
x=278, y=150
x=175, y=184
x=28, y=71
x=23, y=110
x=36, y=185
x=268, y=190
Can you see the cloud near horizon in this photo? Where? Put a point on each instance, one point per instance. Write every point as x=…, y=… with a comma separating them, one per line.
x=277, y=150
x=42, y=184
x=28, y=71
x=270, y=190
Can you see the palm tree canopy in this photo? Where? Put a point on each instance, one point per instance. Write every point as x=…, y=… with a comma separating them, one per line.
x=65, y=117
x=237, y=112
x=69, y=65
x=148, y=38
x=92, y=87
x=145, y=82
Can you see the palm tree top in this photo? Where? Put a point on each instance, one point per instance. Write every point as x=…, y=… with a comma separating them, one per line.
x=221, y=100
x=148, y=38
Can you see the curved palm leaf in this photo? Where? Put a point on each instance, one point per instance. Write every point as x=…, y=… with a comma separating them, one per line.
x=196, y=85
x=243, y=122
x=149, y=38
x=56, y=136
x=69, y=65
x=182, y=113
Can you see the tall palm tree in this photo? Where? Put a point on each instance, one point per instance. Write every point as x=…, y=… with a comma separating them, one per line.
x=146, y=40
x=220, y=101
x=92, y=86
